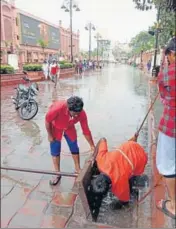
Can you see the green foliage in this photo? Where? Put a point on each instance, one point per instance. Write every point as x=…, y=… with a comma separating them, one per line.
x=32, y=67
x=38, y=67
x=142, y=41
x=43, y=44
x=66, y=65
x=6, y=69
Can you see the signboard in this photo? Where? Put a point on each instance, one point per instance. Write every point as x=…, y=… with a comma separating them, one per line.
x=33, y=30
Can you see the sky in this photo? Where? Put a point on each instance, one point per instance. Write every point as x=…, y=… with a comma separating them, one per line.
x=117, y=20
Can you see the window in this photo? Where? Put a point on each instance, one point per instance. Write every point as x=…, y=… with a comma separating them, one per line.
x=18, y=37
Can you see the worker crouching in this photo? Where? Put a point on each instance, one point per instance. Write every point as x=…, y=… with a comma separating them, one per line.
x=118, y=169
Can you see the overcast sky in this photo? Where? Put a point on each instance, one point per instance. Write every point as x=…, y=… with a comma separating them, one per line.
x=117, y=20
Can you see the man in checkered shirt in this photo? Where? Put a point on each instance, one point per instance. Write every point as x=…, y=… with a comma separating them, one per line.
x=166, y=147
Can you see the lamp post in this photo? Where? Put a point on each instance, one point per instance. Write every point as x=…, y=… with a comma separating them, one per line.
x=98, y=37
x=90, y=27
x=68, y=6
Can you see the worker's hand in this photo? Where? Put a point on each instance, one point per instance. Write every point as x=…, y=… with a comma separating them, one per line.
x=50, y=138
x=92, y=148
x=134, y=138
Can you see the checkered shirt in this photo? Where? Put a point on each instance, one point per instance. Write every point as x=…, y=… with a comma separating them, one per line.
x=167, y=88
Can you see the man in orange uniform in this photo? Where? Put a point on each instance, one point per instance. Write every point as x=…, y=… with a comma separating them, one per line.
x=118, y=167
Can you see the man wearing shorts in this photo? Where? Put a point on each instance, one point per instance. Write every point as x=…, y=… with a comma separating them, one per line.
x=166, y=147
x=60, y=121
x=54, y=70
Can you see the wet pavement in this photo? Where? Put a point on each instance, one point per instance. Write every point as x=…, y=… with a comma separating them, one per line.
x=116, y=101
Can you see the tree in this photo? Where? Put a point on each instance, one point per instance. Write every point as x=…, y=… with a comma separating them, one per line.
x=166, y=23
x=141, y=42
x=43, y=44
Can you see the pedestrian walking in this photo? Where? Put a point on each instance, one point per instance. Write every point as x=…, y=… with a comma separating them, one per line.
x=166, y=147
x=149, y=65
x=60, y=121
x=54, y=69
x=45, y=68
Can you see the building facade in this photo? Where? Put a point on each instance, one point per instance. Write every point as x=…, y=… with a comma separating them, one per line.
x=24, y=34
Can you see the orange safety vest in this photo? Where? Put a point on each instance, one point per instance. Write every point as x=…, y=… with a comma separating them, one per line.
x=120, y=165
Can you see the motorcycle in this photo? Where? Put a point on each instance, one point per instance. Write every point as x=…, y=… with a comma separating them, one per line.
x=24, y=101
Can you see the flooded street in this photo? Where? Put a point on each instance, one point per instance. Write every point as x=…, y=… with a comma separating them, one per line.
x=116, y=101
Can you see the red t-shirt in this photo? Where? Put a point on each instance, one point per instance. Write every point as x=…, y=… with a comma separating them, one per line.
x=61, y=120
x=54, y=69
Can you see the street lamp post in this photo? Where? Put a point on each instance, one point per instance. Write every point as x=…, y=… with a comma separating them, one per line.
x=68, y=6
x=90, y=27
x=98, y=37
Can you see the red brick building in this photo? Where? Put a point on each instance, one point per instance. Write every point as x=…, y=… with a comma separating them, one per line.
x=21, y=32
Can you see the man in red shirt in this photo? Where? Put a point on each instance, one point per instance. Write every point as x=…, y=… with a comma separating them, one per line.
x=166, y=147
x=118, y=167
x=60, y=121
x=54, y=71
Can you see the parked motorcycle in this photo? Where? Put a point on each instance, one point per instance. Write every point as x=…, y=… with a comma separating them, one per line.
x=24, y=100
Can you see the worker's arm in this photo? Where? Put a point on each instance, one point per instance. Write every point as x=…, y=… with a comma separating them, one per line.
x=50, y=116
x=86, y=131
x=134, y=138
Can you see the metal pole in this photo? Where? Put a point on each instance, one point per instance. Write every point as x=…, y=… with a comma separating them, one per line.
x=97, y=51
x=38, y=171
x=156, y=42
x=71, y=34
x=90, y=35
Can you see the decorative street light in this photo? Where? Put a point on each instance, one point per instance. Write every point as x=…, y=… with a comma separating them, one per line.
x=90, y=27
x=68, y=6
x=98, y=37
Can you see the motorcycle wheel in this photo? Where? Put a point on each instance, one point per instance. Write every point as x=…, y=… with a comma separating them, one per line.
x=28, y=110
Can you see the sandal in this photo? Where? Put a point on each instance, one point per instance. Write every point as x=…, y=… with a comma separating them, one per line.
x=55, y=180
x=165, y=210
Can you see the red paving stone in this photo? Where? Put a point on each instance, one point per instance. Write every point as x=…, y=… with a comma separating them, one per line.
x=54, y=222
x=64, y=199
x=33, y=207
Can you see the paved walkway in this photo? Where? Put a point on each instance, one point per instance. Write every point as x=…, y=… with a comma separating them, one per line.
x=116, y=101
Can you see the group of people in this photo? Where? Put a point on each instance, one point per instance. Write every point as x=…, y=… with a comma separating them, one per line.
x=51, y=70
x=117, y=168
x=83, y=65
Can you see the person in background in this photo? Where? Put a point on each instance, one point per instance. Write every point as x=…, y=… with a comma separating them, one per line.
x=118, y=168
x=149, y=65
x=60, y=121
x=80, y=67
x=54, y=69
x=166, y=147
x=45, y=68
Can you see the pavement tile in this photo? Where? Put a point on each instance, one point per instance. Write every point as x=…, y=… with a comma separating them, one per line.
x=57, y=210
x=25, y=221
x=45, y=187
x=64, y=199
x=54, y=222
x=33, y=208
x=13, y=202
x=36, y=195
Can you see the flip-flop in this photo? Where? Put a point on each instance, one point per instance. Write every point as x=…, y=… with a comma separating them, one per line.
x=55, y=180
x=165, y=210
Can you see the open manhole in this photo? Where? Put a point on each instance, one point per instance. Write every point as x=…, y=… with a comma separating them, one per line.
x=96, y=205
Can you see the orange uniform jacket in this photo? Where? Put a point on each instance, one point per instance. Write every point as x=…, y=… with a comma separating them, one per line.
x=118, y=168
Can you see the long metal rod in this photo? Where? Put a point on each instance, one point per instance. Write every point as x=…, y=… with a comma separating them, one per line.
x=65, y=174
x=137, y=133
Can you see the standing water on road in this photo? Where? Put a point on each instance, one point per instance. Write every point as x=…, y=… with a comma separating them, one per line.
x=115, y=101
